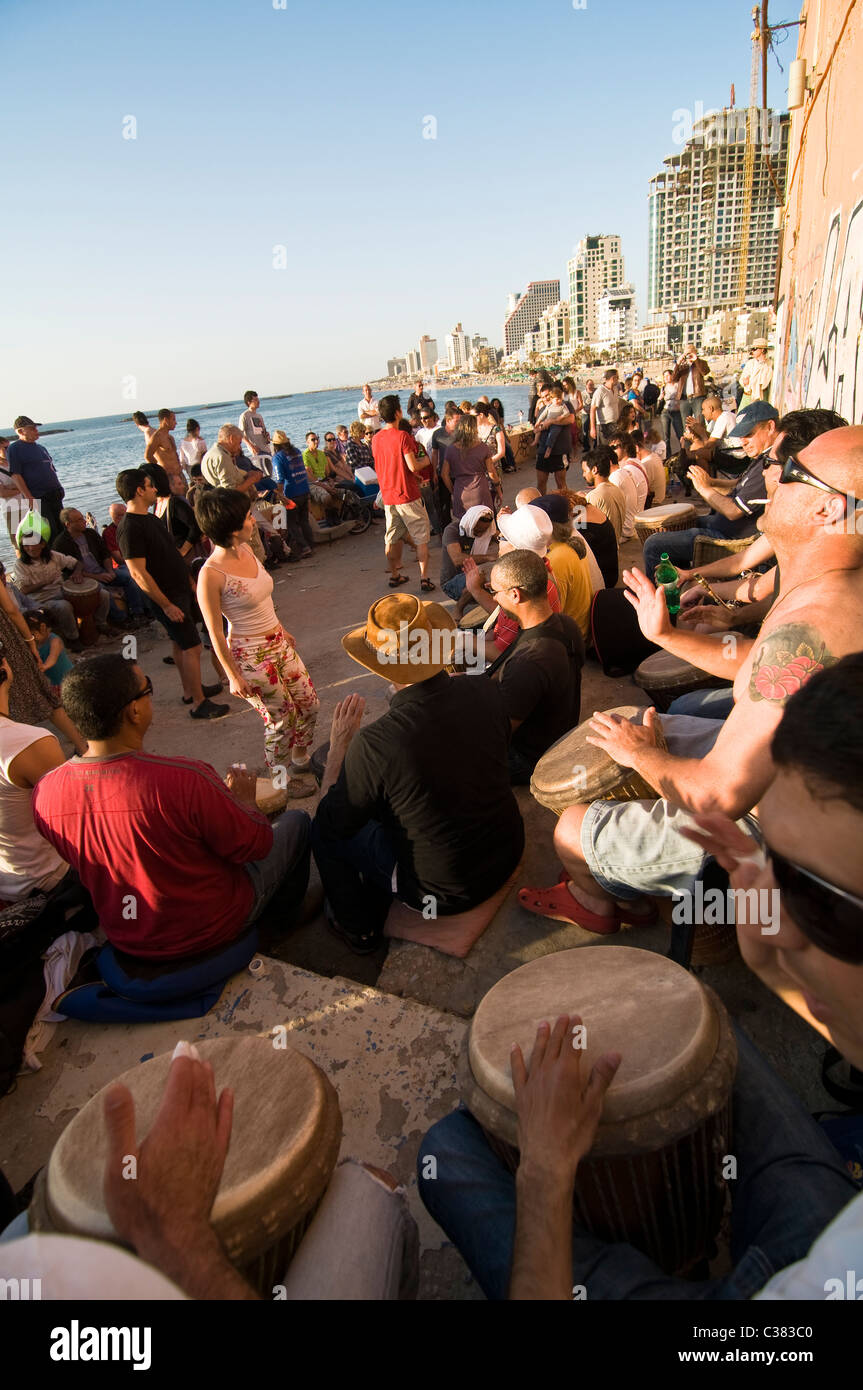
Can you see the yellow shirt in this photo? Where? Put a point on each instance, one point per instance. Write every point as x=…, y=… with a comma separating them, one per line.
x=572, y=577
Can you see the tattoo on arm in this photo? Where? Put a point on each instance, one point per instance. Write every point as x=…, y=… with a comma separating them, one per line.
x=785, y=660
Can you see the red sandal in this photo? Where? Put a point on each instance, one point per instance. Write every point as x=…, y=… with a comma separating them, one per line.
x=558, y=903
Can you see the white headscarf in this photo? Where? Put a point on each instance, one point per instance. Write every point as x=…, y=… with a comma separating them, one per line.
x=467, y=526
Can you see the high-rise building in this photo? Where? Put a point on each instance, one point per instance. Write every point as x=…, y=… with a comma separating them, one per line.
x=712, y=242
x=526, y=314
x=596, y=266
x=428, y=353
x=458, y=348
x=413, y=362
x=396, y=366
x=615, y=318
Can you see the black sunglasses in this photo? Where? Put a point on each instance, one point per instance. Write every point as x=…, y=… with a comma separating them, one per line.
x=330, y=439
x=793, y=471
x=830, y=917
x=140, y=694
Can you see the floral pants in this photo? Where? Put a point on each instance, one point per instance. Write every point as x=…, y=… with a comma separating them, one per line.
x=284, y=696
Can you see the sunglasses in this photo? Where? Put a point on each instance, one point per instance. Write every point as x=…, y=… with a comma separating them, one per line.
x=140, y=694
x=330, y=439
x=830, y=917
x=794, y=471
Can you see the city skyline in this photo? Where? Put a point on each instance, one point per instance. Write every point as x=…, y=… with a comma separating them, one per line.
x=171, y=242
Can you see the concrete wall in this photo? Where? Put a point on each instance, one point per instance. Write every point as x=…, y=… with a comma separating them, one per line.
x=819, y=355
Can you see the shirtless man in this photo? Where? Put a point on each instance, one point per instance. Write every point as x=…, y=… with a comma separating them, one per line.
x=615, y=852
x=143, y=425
x=162, y=449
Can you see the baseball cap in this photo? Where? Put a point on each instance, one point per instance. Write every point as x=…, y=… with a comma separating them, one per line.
x=526, y=529
x=754, y=414
x=24, y=421
x=554, y=506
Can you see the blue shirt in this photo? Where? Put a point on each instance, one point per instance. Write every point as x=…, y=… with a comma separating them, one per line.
x=62, y=666
x=32, y=463
x=291, y=473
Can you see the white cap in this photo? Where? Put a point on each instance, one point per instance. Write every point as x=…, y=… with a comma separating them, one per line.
x=526, y=529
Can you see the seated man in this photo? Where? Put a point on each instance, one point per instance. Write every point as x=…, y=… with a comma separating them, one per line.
x=177, y=864
x=614, y=852
x=596, y=467
x=83, y=543
x=795, y=1210
x=418, y=803
x=527, y=528
x=629, y=478
x=540, y=673
x=116, y=511
x=737, y=504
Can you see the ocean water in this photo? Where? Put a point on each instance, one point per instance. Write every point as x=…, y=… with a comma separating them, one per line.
x=92, y=453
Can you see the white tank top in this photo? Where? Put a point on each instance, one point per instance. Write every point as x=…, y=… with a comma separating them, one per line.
x=27, y=862
x=248, y=603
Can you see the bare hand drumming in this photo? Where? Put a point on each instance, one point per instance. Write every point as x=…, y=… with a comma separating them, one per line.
x=649, y=603
x=347, y=718
x=243, y=784
x=558, y=1106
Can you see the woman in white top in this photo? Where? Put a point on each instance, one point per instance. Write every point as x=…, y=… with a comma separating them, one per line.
x=193, y=447
x=28, y=864
x=259, y=657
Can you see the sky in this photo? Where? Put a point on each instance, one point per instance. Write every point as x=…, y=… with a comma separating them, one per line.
x=209, y=195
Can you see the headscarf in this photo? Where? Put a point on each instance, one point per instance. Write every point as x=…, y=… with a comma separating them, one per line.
x=467, y=526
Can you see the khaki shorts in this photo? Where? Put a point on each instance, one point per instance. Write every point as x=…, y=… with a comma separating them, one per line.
x=407, y=519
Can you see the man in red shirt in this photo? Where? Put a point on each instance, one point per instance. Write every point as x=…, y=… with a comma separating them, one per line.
x=398, y=467
x=177, y=864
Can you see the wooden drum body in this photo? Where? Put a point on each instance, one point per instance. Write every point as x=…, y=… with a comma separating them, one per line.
x=574, y=772
x=654, y=1177
x=270, y=799
x=83, y=595
x=284, y=1144
x=523, y=443
x=664, y=677
x=670, y=516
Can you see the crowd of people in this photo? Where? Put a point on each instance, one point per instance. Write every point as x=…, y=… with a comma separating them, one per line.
x=761, y=777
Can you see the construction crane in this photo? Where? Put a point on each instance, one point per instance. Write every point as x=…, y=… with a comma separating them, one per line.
x=753, y=120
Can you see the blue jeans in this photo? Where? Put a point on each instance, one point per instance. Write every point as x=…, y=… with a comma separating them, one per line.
x=454, y=588
x=285, y=868
x=704, y=704
x=131, y=593
x=678, y=545
x=791, y=1184
x=357, y=875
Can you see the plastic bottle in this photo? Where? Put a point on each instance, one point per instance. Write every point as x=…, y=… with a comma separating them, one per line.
x=665, y=577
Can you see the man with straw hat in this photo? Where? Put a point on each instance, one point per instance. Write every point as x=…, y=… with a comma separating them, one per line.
x=417, y=804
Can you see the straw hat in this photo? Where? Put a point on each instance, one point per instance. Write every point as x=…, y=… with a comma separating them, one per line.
x=398, y=641
x=760, y=343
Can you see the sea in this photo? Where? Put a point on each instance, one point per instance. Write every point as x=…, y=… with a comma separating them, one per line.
x=89, y=454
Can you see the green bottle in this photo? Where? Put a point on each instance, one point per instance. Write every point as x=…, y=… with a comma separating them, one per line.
x=665, y=577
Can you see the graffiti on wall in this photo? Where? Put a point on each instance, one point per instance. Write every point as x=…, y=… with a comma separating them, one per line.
x=819, y=325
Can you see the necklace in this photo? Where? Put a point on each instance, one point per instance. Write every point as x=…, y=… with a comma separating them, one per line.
x=835, y=569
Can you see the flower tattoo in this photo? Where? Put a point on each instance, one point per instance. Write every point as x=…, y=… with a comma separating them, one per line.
x=785, y=661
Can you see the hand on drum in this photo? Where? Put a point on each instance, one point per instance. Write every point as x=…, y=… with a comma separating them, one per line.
x=649, y=604
x=559, y=1107
x=167, y=1198
x=473, y=577
x=708, y=617
x=623, y=739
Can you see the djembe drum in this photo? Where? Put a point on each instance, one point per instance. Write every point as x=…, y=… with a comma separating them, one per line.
x=523, y=443
x=670, y=516
x=664, y=677
x=84, y=596
x=573, y=771
x=269, y=799
x=284, y=1145
x=654, y=1177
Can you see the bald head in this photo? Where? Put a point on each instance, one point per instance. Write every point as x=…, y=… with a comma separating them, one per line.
x=526, y=496
x=800, y=511
x=837, y=458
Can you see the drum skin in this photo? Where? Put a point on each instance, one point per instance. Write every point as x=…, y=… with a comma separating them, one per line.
x=664, y=677
x=284, y=1144
x=669, y=516
x=574, y=772
x=654, y=1175
x=270, y=799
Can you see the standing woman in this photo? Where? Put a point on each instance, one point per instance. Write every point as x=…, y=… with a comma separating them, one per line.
x=467, y=470
x=31, y=699
x=490, y=431
x=259, y=656
x=672, y=428
x=193, y=447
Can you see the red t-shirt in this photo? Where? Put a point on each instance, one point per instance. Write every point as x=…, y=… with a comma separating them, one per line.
x=398, y=484
x=159, y=844
x=507, y=628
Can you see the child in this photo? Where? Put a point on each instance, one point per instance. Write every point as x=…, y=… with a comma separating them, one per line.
x=56, y=661
x=545, y=421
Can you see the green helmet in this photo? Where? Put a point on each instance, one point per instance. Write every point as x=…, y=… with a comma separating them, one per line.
x=34, y=527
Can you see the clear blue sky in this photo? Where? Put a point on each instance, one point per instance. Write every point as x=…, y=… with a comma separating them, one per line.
x=152, y=258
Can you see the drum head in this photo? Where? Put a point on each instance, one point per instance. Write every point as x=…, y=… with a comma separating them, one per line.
x=270, y=799
x=572, y=765
x=662, y=669
x=81, y=586
x=637, y=1003
x=284, y=1144
x=666, y=511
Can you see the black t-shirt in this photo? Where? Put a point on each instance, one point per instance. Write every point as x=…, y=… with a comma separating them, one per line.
x=750, y=486
x=146, y=538
x=451, y=535
x=419, y=403
x=650, y=395
x=181, y=523
x=540, y=681
x=441, y=440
